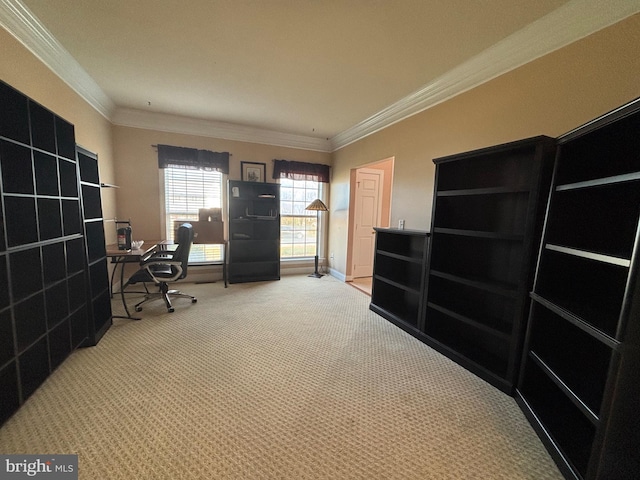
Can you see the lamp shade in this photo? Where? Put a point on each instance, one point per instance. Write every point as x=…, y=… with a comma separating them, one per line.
x=317, y=205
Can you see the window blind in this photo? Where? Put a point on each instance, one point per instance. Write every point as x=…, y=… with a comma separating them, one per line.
x=187, y=191
x=301, y=171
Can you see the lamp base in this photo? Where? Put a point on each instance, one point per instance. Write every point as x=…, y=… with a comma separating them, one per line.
x=316, y=274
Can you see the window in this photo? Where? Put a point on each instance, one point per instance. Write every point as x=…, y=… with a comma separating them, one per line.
x=298, y=227
x=186, y=191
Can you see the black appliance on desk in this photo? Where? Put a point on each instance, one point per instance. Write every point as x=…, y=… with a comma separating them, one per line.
x=123, y=229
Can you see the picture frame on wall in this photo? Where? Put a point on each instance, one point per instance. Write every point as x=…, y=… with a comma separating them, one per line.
x=253, y=172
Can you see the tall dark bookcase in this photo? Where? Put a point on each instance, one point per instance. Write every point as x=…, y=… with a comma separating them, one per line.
x=98, y=291
x=43, y=271
x=254, y=231
x=487, y=220
x=463, y=287
x=580, y=383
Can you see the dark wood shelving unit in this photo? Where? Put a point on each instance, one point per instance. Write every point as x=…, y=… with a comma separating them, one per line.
x=97, y=288
x=254, y=231
x=579, y=381
x=398, y=280
x=43, y=306
x=487, y=219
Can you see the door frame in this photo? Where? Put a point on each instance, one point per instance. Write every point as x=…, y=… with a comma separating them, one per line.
x=386, y=165
x=370, y=172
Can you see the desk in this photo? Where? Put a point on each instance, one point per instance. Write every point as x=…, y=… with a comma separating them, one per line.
x=135, y=255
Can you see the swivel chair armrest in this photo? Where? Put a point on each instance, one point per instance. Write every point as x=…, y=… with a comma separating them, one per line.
x=167, y=255
x=171, y=263
x=162, y=254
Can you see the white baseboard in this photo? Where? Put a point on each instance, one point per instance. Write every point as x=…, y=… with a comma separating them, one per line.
x=339, y=275
x=213, y=273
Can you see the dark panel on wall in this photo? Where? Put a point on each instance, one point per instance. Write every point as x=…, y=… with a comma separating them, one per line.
x=4, y=279
x=46, y=167
x=75, y=255
x=30, y=321
x=9, y=391
x=26, y=273
x=49, y=218
x=20, y=221
x=43, y=134
x=17, y=171
x=56, y=303
x=53, y=264
x=65, y=139
x=14, y=114
x=7, y=351
x=68, y=178
x=71, y=217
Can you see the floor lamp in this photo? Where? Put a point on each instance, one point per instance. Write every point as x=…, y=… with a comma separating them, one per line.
x=318, y=207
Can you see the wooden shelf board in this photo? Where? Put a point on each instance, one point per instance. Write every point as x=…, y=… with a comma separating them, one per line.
x=627, y=177
x=586, y=411
x=577, y=321
x=397, y=284
x=473, y=323
x=622, y=262
x=479, y=234
x=494, y=287
x=400, y=256
x=481, y=191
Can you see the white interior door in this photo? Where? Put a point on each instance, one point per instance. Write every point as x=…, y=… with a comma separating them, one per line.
x=366, y=216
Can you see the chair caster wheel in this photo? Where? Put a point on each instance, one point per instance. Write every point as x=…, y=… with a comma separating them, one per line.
x=138, y=309
x=171, y=310
x=194, y=300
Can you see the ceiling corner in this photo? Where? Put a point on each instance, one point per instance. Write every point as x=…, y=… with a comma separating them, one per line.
x=16, y=18
x=569, y=23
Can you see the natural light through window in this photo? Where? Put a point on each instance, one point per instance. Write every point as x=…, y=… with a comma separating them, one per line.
x=187, y=191
x=298, y=227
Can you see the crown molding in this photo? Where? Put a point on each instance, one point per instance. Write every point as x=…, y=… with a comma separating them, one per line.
x=569, y=23
x=18, y=20
x=209, y=128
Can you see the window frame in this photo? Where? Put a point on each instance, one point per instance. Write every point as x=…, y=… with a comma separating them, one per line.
x=310, y=215
x=201, y=254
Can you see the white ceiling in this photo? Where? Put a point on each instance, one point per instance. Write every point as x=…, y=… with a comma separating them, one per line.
x=319, y=73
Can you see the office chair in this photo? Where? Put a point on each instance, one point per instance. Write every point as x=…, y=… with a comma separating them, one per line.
x=163, y=267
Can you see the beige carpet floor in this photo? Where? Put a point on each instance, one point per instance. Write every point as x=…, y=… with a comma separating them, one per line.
x=294, y=379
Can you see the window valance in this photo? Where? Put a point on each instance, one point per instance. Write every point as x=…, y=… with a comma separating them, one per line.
x=192, y=158
x=301, y=171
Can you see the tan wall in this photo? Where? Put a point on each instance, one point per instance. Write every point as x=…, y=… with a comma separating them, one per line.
x=138, y=176
x=549, y=96
x=24, y=72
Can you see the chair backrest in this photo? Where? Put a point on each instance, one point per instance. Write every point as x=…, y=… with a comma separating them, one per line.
x=184, y=239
